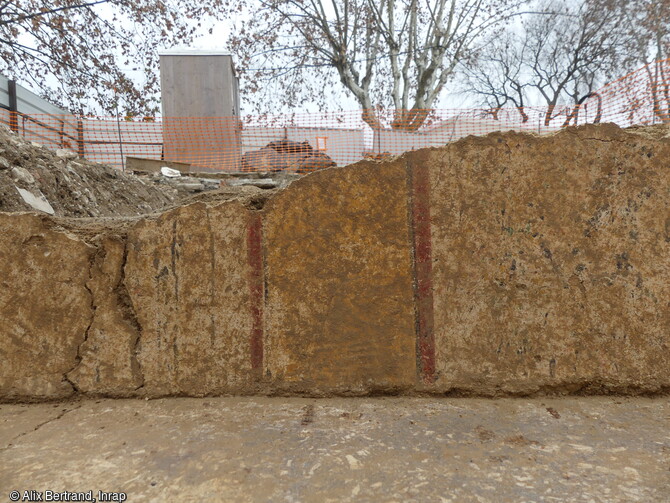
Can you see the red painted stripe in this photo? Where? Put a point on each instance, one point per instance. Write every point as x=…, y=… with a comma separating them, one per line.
x=423, y=272
x=255, y=260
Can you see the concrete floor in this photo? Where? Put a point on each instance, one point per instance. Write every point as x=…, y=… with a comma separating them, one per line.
x=365, y=449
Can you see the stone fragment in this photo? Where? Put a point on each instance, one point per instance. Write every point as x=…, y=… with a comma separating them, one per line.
x=22, y=175
x=263, y=183
x=109, y=362
x=45, y=306
x=66, y=154
x=187, y=277
x=169, y=172
x=37, y=202
x=551, y=262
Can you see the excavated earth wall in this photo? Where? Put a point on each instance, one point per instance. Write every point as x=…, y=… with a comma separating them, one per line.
x=509, y=264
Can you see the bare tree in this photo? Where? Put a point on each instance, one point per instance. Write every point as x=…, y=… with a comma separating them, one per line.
x=498, y=77
x=648, y=25
x=78, y=52
x=564, y=52
x=397, y=54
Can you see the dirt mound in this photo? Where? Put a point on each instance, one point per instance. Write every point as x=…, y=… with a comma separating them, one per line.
x=33, y=177
x=286, y=155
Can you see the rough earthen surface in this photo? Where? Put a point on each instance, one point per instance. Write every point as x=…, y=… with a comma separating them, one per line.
x=551, y=262
x=339, y=282
x=108, y=357
x=187, y=280
x=505, y=265
x=45, y=306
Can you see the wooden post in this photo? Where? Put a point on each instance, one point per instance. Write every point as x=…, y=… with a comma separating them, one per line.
x=61, y=133
x=80, y=138
x=13, y=106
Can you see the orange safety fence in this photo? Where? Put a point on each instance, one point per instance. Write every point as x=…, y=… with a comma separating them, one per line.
x=305, y=142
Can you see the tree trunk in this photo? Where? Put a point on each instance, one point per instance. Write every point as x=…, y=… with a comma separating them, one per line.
x=369, y=116
x=524, y=115
x=409, y=120
x=548, y=115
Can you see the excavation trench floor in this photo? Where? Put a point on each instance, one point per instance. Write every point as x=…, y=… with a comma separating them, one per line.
x=596, y=449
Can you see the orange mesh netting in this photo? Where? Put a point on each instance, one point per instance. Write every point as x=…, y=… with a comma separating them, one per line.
x=305, y=142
